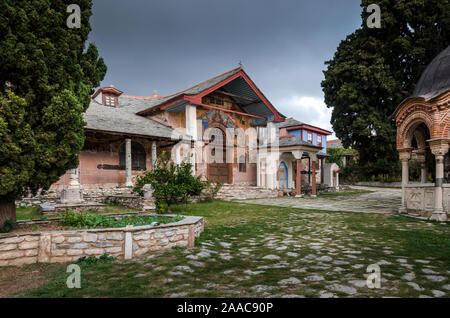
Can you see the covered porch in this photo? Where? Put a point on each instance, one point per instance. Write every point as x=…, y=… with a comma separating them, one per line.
x=428, y=197
x=290, y=165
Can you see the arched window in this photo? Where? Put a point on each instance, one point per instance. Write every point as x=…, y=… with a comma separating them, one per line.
x=138, y=156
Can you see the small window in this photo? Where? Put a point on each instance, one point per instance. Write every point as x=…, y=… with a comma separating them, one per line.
x=319, y=141
x=310, y=138
x=109, y=100
x=242, y=164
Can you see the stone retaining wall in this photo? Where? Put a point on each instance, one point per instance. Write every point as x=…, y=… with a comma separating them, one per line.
x=90, y=195
x=56, y=209
x=131, y=201
x=122, y=243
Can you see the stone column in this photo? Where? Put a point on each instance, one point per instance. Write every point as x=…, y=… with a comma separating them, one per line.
x=298, y=181
x=154, y=154
x=191, y=121
x=271, y=171
x=128, y=180
x=423, y=169
x=439, y=150
x=313, y=177
x=192, y=160
x=438, y=211
x=404, y=157
x=424, y=174
x=191, y=130
x=337, y=181
x=258, y=172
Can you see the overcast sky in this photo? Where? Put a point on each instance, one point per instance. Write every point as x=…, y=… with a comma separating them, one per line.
x=169, y=45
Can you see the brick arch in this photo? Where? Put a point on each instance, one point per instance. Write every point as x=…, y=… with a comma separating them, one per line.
x=445, y=122
x=405, y=132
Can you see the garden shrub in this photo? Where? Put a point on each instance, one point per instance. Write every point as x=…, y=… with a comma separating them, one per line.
x=171, y=183
x=211, y=190
x=9, y=226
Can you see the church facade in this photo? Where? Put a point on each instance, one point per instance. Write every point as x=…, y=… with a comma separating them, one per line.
x=224, y=126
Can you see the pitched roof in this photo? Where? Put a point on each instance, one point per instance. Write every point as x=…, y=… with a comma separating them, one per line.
x=119, y=120
x=235, y=79
x=289, y=123
x=141, y=104
x=337, y=143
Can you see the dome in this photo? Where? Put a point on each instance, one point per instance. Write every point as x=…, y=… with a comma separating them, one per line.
x=436, y=78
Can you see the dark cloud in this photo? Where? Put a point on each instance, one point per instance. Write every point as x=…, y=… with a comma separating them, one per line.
x=169, y=45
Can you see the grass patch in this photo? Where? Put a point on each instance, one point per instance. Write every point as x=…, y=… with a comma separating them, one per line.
x=94, y=221
x=29, y=213
x=230, y=258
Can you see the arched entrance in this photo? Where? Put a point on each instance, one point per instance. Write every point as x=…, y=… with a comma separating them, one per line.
x=283, y=176
x=217, y=169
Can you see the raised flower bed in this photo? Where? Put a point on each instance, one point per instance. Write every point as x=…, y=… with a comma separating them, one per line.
x=53, y=242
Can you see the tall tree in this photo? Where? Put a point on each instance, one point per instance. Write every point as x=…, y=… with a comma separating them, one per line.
x=46, y=78
x=373, y=70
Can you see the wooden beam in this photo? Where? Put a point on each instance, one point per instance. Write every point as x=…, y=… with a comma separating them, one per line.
x=253, y=101
x=194, y=102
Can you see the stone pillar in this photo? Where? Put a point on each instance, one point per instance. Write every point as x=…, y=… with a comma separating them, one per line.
x=154, y=154
x=191, y=121
x=258, y=172
x=439, y=149
x=72, y=195
x=313, y=177
x=438, y=211
x=337, y=181
x=298, y=181
x=404, y=157
x=271, y=171
x=421, y=159
x=192, y=160
x=424, y=174
x=128, y=180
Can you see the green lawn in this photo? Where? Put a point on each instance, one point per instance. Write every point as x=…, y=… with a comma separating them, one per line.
x=262, y=251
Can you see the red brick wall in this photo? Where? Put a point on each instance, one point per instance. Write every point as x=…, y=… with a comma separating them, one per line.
x=434, y=114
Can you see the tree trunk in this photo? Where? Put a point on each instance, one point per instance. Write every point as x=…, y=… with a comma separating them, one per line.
x=7, y=211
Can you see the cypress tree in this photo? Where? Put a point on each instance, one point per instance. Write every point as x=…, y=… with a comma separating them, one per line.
x=47, y=75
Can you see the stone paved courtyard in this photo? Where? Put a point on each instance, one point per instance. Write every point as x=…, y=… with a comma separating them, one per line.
x=379, y=200
x=266, y=251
